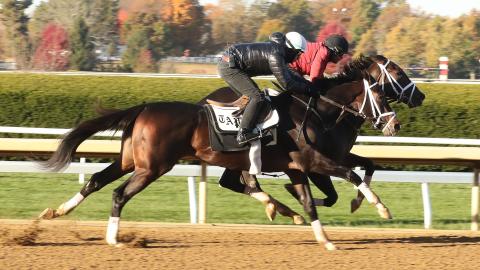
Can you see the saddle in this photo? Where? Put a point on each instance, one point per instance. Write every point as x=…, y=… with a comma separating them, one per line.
x=224, y=122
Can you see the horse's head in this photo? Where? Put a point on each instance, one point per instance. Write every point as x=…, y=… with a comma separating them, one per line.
x=372, y=104
x=395, y=82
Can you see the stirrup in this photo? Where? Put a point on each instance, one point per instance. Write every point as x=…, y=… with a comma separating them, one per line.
x=245, y=136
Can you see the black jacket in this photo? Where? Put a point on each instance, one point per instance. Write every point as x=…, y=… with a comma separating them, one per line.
x=268, y=58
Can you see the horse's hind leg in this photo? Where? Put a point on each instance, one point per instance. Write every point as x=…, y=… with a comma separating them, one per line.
x=141, y=178
x=95, y=183
x=237, y=181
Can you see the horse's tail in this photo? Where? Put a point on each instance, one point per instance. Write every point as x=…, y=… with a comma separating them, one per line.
x=109, y=120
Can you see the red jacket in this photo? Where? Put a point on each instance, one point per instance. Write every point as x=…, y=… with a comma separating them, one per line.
x=312, y=62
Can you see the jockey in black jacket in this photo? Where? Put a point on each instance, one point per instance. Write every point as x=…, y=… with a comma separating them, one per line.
x=240, y=62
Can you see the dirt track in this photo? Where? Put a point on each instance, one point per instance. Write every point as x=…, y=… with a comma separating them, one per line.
x=80, y=245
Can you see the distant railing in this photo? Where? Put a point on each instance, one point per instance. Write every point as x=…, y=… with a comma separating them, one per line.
x=201, y=59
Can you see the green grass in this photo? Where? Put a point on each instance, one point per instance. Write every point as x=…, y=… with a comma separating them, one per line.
x=24, y=196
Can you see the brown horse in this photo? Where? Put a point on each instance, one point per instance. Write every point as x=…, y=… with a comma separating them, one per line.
x=397, y=87
x=157, y=135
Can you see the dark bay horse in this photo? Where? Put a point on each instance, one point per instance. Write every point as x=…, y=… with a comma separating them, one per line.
x=397, y=87
x=157, y=135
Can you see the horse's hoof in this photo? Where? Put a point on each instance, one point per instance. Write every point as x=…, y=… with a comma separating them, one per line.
x=330, y=246
x=48, y=213
x=271, y=211
x=354, y=205
x=119, y=245
x=384, y=212
x=298, y=220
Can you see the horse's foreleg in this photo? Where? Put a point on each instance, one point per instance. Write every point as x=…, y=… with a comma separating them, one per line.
x=95, y=183
x=326, y=166
x=305, y=196
x=353, y=160
x=324, y=184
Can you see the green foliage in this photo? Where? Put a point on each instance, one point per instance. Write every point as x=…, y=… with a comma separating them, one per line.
x=365, y=13
x=102, y=21
x=185, y=18
x=145, y=32
x=449, y=110
x=82, y=55
x=402, y=42
x=15, y=20
x=295, y=15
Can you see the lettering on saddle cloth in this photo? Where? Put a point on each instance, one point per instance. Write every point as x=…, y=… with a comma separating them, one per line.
x=225, y=120
x=224, y=125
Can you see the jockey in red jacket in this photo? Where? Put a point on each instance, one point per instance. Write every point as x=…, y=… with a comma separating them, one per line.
x=314, y=61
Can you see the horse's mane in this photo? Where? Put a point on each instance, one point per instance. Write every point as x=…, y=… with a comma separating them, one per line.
x=352, y=71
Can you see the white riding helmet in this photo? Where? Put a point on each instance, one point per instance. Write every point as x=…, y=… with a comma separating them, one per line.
x=296, y=41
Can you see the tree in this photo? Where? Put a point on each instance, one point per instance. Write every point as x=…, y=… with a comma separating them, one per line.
x=4, y=52
x=82, y=50
x=471, y=47
x=328, y=10
x=366, y=46
x=103, y=24
x=52, y=53
x=99, y=15
x=268, y=27
x=184, y=18
x=389, y=17
x=144, y=32
x=364, y=14
x=61, y=12
x=145, y=62
x=295, y=15
x=403, y=44
x=227, y=21
x=332, y=27
x=255, y=16
x=13, y=16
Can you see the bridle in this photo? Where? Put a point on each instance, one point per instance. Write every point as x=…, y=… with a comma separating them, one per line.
x=377, y=113
x=368, y=97
x=399, y=90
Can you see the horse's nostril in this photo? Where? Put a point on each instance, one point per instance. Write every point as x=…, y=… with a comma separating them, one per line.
x=397, y=126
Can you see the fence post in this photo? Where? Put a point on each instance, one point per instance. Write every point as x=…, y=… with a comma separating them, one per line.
x=475, y=201
x=81, y=177
x=443, y=68
x=427, y=208
x=202, y=195
x=192, y=199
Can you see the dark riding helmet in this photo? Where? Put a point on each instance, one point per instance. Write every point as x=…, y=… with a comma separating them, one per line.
x=337, y=44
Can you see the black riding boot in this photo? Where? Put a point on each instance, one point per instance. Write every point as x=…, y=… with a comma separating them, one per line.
x=249, y=120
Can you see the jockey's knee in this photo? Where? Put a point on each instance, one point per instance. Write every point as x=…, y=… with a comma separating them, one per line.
x=330, y=200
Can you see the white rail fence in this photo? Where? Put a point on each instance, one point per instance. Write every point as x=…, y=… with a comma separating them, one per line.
x=198, y=211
